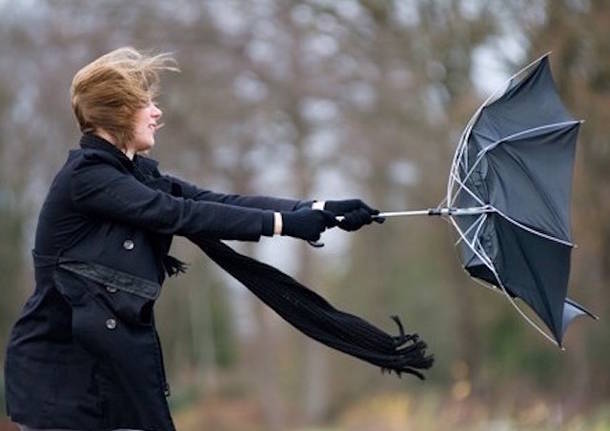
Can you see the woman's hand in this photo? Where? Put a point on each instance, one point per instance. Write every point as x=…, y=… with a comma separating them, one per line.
x=342, y=207
x=307, y=224
x=355, y=213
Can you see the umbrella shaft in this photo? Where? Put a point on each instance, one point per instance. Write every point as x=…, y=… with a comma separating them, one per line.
x=440, y=212
x=434, y=212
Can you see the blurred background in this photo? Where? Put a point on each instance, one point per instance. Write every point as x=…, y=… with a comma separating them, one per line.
x=330, y=99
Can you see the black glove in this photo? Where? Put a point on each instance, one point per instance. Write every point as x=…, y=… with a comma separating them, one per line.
x=354, y=220
x=306, y=223
x=355, y=211
x=347, y=205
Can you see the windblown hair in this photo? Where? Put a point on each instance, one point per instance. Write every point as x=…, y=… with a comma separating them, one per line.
x=108, y=92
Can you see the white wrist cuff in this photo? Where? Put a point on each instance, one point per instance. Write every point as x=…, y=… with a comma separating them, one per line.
x=278, y=225
x=318, y=205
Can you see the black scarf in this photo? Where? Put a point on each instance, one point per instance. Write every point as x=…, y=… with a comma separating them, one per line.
x=315, y=317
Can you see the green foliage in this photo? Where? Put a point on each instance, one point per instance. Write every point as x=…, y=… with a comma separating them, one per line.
x=222, y=327
x=512, y=351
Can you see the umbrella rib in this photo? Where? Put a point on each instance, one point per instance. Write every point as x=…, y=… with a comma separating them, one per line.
x=507, y=83
x=544, y=198
x=538, y=283
x=463, y=186
x=484, y=259
x=477, y=221
x=531, y=230
x=484, y=253
x=514, y=304
x=490, y=147
x=488, y=263
x=486, y=285
x=476, y=234
x=508, y=138
x=474, y=165
x=457, y=156
x=527, y=319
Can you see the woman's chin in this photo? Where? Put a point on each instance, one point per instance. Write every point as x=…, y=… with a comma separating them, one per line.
x=145, y=147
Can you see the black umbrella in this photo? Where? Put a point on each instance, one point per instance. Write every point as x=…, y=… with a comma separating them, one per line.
x=509, y=194
x=515, y=161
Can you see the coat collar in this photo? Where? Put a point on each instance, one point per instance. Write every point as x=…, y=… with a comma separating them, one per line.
x=95, y=142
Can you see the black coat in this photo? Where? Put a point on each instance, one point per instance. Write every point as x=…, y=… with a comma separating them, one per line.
x=85, y=354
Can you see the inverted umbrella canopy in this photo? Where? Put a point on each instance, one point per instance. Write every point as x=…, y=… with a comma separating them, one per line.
x=513, y=171
x=509, y=195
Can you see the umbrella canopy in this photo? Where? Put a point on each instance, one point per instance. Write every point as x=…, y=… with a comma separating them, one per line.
x=509, y=194
x=511, y=177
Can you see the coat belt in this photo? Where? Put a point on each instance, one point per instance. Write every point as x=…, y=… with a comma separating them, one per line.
x=100, y=274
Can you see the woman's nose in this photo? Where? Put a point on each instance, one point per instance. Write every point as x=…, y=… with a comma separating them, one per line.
x=156, y=113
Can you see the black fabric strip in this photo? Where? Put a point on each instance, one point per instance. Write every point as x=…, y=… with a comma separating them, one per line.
x=317, y=318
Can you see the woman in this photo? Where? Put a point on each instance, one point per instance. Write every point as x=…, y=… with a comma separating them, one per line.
x=84, y=354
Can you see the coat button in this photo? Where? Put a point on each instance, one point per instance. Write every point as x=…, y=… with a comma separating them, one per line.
x=166, y=391
x=111, y=289
x=128, y=244
x=110, y=323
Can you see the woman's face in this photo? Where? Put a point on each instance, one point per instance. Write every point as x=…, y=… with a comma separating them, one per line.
x=146, y=123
